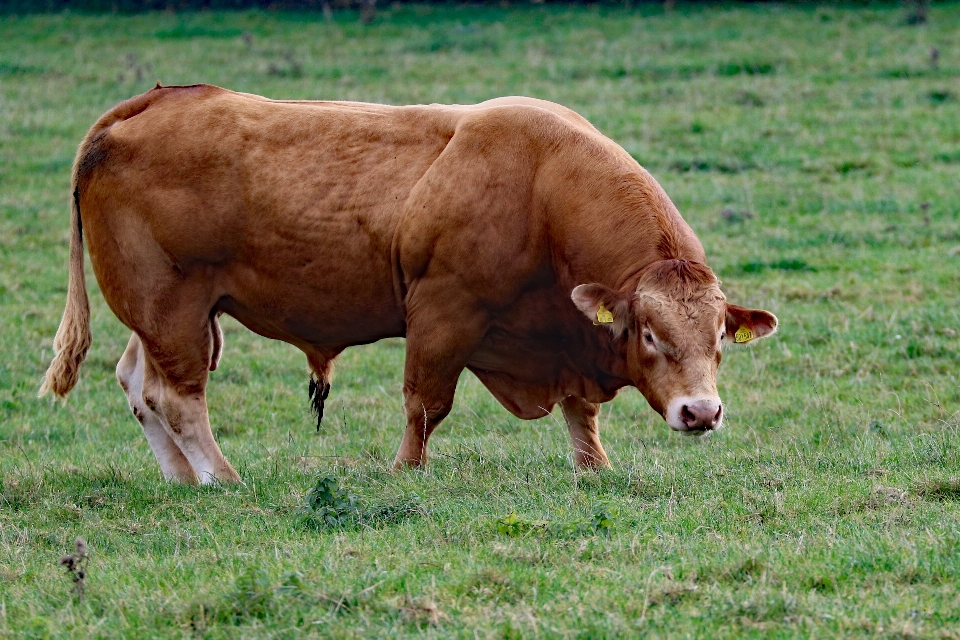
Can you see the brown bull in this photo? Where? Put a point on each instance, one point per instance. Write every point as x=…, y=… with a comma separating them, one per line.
x=509, y=238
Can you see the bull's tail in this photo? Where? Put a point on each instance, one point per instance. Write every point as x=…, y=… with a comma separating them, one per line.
x=73, y=337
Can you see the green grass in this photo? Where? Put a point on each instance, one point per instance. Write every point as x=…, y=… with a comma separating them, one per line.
x=815, y=151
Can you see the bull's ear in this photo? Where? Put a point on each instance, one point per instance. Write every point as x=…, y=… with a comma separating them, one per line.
x=603, y=306
x=744, y=325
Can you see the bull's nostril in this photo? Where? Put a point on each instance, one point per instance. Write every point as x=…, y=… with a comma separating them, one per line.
x=716, y=418
x=687, y=416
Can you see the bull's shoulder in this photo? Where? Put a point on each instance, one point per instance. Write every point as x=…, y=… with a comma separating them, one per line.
x=540, y=127
x=568, y=115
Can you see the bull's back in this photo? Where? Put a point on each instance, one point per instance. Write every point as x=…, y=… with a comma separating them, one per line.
x=289, y=209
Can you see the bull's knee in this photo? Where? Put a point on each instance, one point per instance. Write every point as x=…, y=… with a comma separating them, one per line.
x=127, y=365
x=151, y=402
x=426, y=413
x=129, y=381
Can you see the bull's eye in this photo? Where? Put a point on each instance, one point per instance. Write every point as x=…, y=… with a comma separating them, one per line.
x=648, y=338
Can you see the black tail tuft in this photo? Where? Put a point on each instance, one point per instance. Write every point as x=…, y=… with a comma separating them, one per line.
x=318, y=391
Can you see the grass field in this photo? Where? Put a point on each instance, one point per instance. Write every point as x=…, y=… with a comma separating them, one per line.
x=816, y=152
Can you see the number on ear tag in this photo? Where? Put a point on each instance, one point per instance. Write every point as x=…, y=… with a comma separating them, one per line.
x=604, y=316
x=743, y=334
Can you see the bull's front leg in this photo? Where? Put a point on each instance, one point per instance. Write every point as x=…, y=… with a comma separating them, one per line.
x=426, y=405
x=437, y=352
x=581, y=417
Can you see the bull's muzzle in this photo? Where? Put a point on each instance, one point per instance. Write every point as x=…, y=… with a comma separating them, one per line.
x=695, y=416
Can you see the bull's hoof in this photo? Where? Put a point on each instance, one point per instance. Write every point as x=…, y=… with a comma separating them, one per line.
x=184, y=478
x=593, y=464
x=228, y=476
x=401, y=464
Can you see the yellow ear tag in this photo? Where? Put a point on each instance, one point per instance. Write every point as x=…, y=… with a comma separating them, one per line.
x=604, y=316
x=743, y=334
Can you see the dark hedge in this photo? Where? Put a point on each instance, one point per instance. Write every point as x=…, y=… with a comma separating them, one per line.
x=133, y=6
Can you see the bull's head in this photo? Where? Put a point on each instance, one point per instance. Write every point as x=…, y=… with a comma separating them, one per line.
x=674, y=325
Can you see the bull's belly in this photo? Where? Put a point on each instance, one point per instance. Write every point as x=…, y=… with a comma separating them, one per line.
x=321, y=305
x=313, y=326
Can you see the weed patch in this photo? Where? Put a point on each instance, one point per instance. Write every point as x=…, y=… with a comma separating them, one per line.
x=328, y=506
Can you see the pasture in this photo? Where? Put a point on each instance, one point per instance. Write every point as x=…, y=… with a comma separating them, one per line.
x=815, y=151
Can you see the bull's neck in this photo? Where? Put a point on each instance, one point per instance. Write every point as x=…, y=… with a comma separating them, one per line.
x=611, y=240
x=621, y=266
x=613, y=360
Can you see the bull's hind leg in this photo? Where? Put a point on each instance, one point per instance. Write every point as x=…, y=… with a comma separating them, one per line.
x=130, y=374
x=167, y=383
x=581, y=417
x=184, y=416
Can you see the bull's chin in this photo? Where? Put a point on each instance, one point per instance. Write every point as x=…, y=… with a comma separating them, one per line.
x=693, y=433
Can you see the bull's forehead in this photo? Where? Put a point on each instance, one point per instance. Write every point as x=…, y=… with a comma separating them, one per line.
x=682, y=299
x=686, y=313
x=704, y=310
